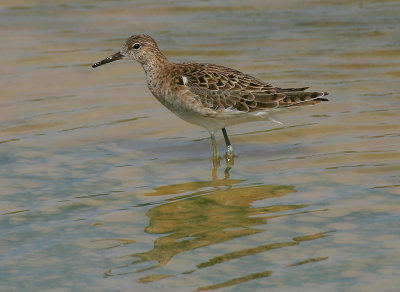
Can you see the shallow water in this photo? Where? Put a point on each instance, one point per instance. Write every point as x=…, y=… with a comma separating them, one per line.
x=103, y=189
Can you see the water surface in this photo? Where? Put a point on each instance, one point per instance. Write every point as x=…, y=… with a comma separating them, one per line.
x=103, y=189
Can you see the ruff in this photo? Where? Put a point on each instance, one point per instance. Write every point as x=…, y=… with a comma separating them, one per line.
x=207, y=95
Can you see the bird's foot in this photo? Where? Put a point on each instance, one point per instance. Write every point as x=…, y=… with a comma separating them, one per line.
x=229, y=157
x=216, y=159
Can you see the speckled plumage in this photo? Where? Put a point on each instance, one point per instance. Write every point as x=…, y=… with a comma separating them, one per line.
x=208, y=95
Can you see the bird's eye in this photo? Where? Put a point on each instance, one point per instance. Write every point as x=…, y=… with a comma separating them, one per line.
x=136, y=46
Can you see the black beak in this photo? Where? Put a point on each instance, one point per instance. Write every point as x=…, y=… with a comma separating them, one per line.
x=112, y=58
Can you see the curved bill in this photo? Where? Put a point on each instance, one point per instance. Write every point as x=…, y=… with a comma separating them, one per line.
x=112, y=58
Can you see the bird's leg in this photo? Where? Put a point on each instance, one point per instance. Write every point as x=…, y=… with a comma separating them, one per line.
x=229, y=149
x=216, y=157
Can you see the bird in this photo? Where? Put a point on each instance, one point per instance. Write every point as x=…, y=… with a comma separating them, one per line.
x=208, y=95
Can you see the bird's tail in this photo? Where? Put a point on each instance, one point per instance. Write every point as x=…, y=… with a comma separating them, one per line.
x=300, y=97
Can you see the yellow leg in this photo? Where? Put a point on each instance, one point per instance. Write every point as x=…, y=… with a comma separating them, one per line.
x=214, y=144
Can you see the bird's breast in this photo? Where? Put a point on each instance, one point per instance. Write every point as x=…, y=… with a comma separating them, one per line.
x=172, y=95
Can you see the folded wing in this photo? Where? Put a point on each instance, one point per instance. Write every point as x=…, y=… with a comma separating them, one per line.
x=221, y=88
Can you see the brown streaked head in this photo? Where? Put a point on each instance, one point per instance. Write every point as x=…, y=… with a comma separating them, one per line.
x=140, y=47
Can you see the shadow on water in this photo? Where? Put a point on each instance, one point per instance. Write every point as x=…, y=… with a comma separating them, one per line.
x=206, y=213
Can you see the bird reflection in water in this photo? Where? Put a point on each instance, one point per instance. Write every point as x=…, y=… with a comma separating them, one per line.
x=205, y=213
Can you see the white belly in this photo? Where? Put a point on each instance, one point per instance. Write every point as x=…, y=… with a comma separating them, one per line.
x=193, y=112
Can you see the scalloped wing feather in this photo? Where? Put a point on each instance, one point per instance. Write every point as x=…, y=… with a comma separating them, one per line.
x=220, y=88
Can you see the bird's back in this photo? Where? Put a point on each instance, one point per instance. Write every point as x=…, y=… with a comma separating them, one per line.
x=220, y=88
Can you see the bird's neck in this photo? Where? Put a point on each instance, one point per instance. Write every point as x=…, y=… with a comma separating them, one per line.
x=155, y=63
